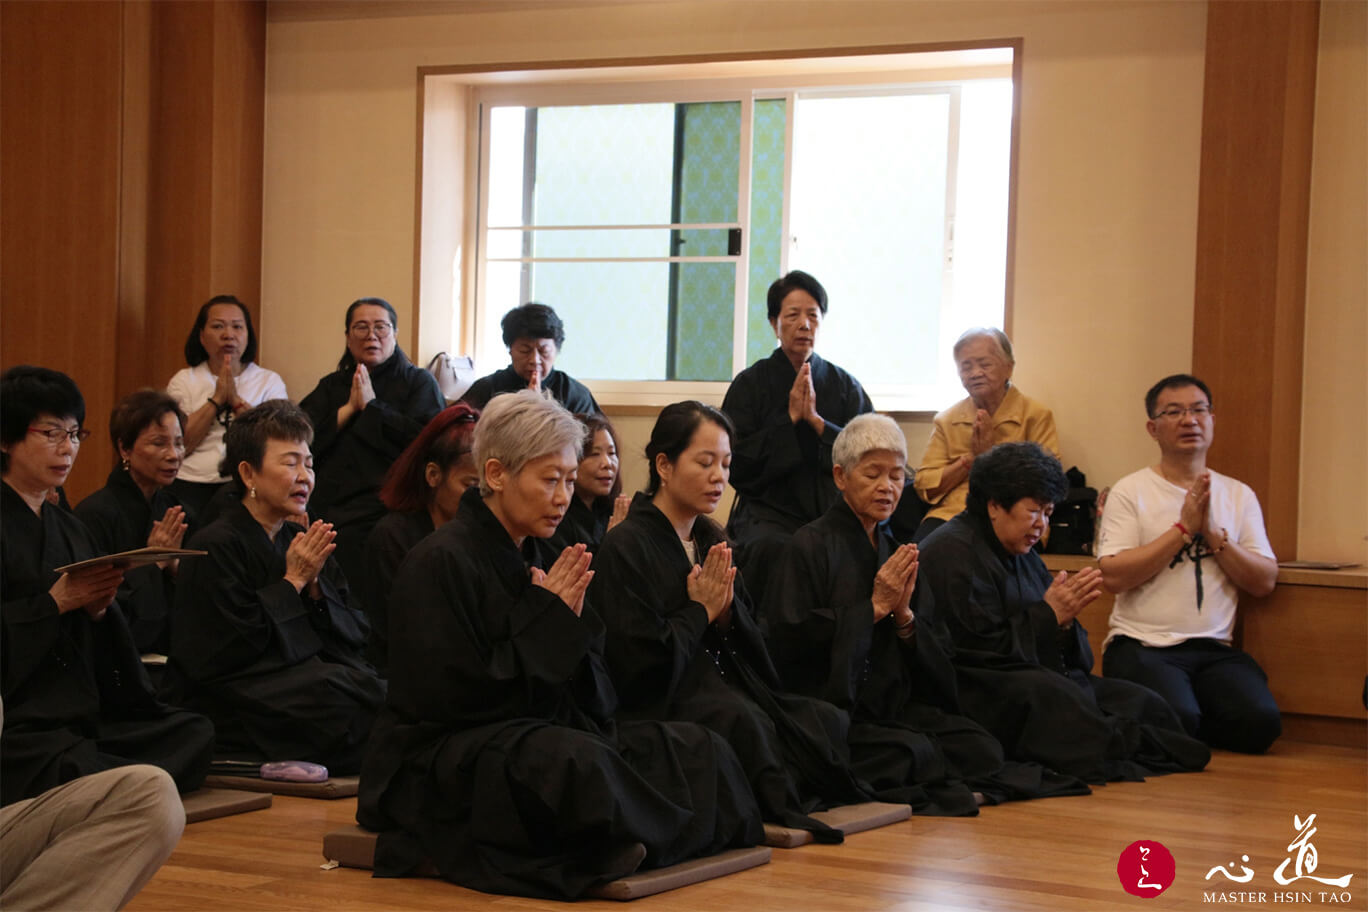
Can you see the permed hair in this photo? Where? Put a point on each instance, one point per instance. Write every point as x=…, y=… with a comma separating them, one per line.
x=347, y=362
x=674, y=430
x=532, y=321
x=593, y=423
x=795, y=281
x=1173, y=381
x=137, y=411
x=26, y=392
x=448, y=437
x=516, y=428
x=865, y=434
x=247, y=436
x=1004, y=344
x=1010, y=471
x=194, y=349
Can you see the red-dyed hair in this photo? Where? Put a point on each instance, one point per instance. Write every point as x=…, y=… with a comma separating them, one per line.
x=447, y=438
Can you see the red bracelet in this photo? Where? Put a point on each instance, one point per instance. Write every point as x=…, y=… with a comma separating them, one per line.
x=1182, y=530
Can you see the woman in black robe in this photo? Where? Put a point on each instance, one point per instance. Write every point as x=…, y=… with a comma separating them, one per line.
x=787, y=410
x=683, y=642
x=266, y=642
x=363, y=415
x=423, y=492
x=137, y=509
x=1022, y=661
x=599, y=503
x=844, y=629
x=497, y=757
x=76, y=697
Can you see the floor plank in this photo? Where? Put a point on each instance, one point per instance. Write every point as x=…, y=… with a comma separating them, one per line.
x=1058, y=854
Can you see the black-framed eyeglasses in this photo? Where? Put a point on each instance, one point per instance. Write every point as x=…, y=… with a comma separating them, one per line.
x=362, y=330
x=1177, y=412
x=54, y=435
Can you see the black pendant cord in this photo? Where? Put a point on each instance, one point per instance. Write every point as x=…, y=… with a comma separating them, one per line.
x=1196, y=552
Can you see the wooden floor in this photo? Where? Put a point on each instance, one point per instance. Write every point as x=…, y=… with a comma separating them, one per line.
x=1040, y=855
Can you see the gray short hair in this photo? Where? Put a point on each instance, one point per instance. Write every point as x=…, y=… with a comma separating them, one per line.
x=865, y=434
x=1004, y=344
x=516, y=428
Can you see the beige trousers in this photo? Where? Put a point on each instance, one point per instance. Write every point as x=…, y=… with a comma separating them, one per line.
x=90, y=844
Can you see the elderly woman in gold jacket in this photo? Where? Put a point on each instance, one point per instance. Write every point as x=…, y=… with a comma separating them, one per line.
x=995, y=412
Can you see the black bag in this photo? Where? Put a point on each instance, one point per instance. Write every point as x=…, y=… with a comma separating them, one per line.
x=1074, y=522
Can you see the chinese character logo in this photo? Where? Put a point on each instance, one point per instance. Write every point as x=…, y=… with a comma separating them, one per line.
x=1145, y=868
x=1306, y=857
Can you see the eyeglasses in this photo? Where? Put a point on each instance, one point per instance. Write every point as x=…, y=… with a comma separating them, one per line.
x=362, y=330
x=54, y=435
x=1177, y=413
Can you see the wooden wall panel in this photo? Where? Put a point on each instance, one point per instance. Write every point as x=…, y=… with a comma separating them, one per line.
x=179, y=236
x=239, y=93
x=1251, y=244
x=60, y=84
x=130, y=184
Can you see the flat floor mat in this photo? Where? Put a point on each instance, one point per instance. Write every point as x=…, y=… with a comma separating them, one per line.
x=209, y=803
x=848, y=818
x=336, y=787
x=354, y=847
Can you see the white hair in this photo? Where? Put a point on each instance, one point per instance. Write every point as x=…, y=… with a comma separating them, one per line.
x=865, y=434
x=1004, y=344
x=516, y=428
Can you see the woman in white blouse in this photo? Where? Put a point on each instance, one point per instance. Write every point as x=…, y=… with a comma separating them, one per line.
x=222, y=379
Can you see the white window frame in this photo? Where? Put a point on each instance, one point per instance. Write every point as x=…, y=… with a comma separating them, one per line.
x=656, y=393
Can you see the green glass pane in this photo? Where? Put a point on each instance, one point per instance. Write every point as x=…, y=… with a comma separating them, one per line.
x=703, y=321
x=709, y=165
x=767, y=213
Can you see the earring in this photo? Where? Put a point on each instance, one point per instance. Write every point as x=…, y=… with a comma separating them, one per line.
x=252, y=493
x=124, y=464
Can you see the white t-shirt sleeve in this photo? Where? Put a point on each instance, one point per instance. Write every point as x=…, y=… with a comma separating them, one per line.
x=1250, y=533
x=1120, y=522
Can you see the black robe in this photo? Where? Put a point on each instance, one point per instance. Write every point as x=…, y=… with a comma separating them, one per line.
x=77, y=700
x=119, y=519
x=669, y=662
x=827, y=645
x=281, y=675
x=1028, y=681
x=389, y=543
x=566, y=390
x=583, y=524
x=497, y=757
x=782, y=471
x=351, y=461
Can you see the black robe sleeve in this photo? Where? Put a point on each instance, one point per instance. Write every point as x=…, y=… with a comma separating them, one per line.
x=473, y=645
x=821, y=632
x=29, y=620
x=767, y=447
x=232, y=613
x=653, y=639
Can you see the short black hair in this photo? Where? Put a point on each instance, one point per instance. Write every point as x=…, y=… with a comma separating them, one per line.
x=247, y=436
x=675, y=428
x=135, y=412
x=1173, y=381
x=1011, y=471
x=194, y=348
x=26, y=392
x=532, y=321
x=347, y=362
x=797, y=280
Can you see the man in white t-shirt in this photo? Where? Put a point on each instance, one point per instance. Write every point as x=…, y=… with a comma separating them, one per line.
x=1178, y=544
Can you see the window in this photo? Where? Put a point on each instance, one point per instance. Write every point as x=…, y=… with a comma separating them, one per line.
x=654, y=216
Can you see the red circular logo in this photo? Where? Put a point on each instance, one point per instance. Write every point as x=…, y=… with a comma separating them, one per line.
x=1145, y=868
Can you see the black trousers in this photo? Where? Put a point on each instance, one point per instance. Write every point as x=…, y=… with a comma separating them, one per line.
x=1219, y=693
